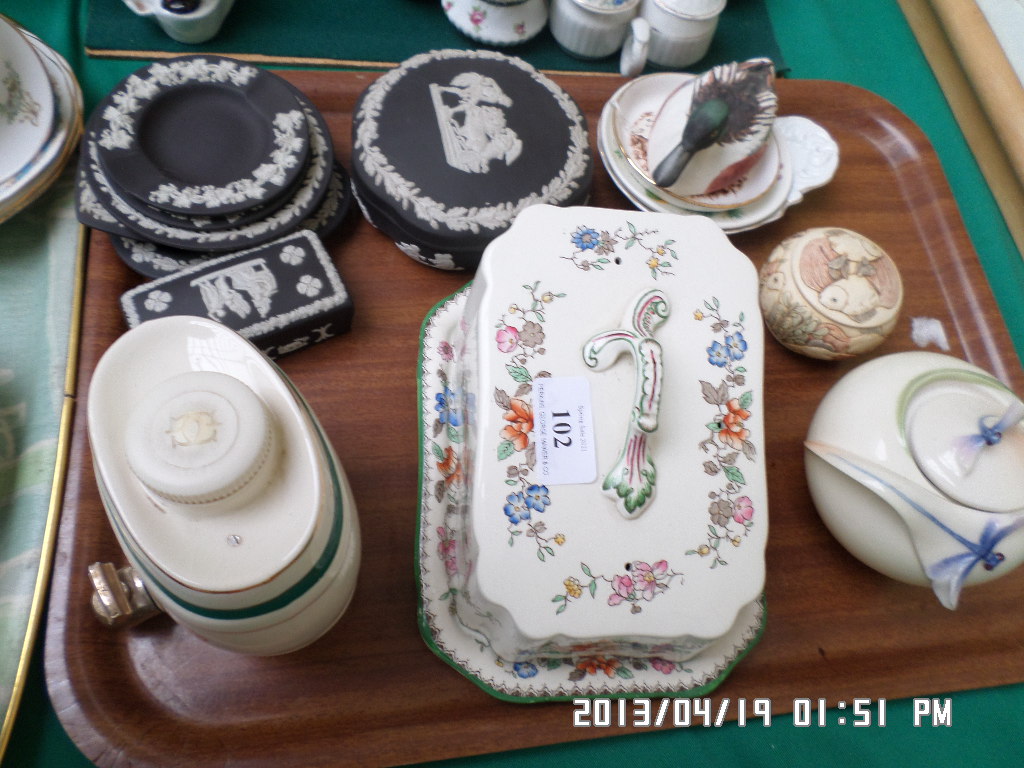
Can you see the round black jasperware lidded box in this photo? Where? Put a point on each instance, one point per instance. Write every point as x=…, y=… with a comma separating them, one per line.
x=451, y=145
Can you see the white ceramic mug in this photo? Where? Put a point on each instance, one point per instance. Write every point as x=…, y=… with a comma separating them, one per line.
x=681, y=30
x=592, y=29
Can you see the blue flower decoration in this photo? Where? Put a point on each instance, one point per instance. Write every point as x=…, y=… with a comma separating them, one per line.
x=586, y=239
x=718, y=354
x=516, y=508
x=735, y=346
x=447, y=410
x=537, y=497
x=524, y=669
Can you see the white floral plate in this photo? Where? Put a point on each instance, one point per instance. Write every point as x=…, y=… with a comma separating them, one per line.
x=26, y=101
x=470, y=652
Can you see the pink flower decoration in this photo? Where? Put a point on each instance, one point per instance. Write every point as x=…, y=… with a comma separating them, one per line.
x=476, y=17
x=663, y=666
x=648, y=575
x=623, y=586
x=507, y=338
x=742, y=509
x=446, y=550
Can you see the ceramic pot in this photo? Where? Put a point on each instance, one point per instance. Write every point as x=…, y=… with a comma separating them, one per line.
x=196, y=26
x=221, y=487
x=681, y=30
x=913, y=462
x=497, y=22
x=592, y=29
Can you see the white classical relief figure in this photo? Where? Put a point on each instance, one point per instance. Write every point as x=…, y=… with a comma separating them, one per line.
x=473, y=130
x=224, y=290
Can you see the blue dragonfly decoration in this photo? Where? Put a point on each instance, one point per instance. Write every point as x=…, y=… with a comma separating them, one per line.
x=930, y=519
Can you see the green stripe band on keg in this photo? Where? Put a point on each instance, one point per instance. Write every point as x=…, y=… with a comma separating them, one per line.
x=288, y=596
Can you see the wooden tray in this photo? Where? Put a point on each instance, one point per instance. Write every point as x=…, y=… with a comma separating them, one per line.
x=370, y=692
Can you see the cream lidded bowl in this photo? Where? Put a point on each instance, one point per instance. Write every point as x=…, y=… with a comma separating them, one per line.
x=913, y=461
x=221, y=487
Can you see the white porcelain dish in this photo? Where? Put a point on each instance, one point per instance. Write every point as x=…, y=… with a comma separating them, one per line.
x=245, y=534
x=36, y=176
x=26, y=101
x=808, y=158
x=637, y=190
x=625, y=566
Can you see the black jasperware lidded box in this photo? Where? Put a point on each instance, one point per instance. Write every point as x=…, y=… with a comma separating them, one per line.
x=451, y=145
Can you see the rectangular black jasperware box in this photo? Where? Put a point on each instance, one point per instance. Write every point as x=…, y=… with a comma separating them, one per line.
x=282, y=296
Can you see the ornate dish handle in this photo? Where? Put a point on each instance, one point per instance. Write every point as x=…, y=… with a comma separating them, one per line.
x=632, y=479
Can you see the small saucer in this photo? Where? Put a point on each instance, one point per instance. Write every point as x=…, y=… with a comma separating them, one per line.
x=767, y=208
x=635, y=107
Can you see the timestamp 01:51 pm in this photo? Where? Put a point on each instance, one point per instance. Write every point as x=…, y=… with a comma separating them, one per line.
x=708, y=712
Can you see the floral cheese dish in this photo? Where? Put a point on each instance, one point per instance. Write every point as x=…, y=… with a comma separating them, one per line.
x=594, y=503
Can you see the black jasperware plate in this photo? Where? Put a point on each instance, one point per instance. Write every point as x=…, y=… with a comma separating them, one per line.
x=202, y=135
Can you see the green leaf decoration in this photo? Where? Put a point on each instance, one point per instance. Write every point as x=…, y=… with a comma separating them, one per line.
x=592, y=587
x=714, y=426
x=624, y=672
x=549, y=550
x=505, y=449
x=561, y=608
x=558, y=599
x=631, y=242
x=454, y=435
x=586, y=569
x=540, y=555
x=518, y=373
x=734, y=474
x=632, y=227
x=746, y=399
x=436, y=450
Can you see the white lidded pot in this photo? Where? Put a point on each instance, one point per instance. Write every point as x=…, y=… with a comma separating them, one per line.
x=914, y=463
x=221, y=487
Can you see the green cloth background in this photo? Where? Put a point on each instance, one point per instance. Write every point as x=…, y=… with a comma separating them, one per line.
x=867, y=43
